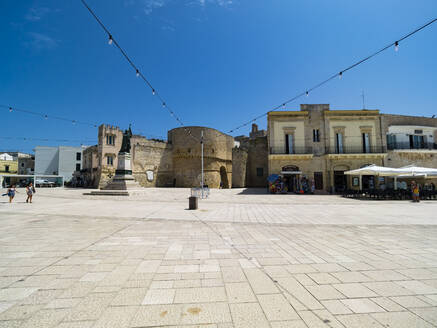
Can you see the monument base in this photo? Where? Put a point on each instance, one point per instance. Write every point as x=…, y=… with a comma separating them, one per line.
x=123, y=181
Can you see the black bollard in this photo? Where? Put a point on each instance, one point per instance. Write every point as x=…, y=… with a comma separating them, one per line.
x=193, y=203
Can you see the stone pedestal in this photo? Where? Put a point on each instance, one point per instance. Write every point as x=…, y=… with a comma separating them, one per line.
x=123, y=181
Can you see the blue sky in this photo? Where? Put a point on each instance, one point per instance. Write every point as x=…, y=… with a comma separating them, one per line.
x=217, y=63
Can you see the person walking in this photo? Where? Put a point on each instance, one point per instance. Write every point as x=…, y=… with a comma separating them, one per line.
x=11, y=193
x=30, y=190
x=415, y=189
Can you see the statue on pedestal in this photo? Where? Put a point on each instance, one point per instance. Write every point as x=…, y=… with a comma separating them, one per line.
x=125, y=144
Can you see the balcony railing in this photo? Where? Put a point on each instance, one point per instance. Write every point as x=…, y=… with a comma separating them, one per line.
x=407, y=145
x=356, y=150
x=343, y=150
x=294, y=151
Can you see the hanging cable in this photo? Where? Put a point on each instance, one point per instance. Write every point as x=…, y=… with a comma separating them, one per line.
x=339, y=75
x=46, y=116
x=112, y=40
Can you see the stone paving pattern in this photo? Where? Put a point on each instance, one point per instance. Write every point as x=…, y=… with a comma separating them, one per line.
x=244, y=259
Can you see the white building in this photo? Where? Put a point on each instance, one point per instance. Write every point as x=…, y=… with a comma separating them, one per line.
x=62, y=160
x=6, y=157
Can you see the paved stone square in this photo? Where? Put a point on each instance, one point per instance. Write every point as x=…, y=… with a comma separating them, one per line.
x=244, y=259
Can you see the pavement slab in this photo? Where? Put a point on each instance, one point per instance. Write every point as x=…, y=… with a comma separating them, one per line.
x=241, y=260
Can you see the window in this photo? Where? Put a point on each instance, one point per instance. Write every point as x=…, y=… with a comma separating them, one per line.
x=339, y=143
x=78, y=156
x=6, y=168
x=417, y=142
x=366, y=143
x=109, y=160
x=110, y=139
x=316, y=135
x=391, y=141
x=259, y=171
x=22, y=164
x=77, y=167
x=289, y=144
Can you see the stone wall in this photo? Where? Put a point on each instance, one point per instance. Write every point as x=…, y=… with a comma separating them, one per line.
x=152, y=163
x=239, y=167
x=399, y=158
x=187, y=157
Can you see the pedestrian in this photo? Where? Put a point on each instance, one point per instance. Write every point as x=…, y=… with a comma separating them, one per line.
x=11, y=192
x=30, y=190
x=415, y=189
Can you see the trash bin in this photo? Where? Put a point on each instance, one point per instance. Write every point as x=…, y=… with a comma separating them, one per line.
x=193, y=203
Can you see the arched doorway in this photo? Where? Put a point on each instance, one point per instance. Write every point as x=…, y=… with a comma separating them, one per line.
x=291, y=175
x=224, y=183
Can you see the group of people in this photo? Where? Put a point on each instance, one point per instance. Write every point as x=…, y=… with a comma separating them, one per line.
x=12, y=190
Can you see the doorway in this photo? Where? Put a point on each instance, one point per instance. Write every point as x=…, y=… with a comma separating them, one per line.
x=340, y=181
x=318, y=180
x=224, y=183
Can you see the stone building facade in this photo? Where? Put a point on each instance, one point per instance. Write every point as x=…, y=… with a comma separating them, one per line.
x=321, y=144
x=250, y=159
x=158, y=163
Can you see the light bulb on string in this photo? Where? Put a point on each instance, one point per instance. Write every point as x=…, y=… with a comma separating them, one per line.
x=340, y=75
x=73, y=122
x=153, y=92
x=110, y=39
x=46, y=117
x=307, y=93
x=138, y=73
x=396, y=46
x=163, y=104
x=10, y=109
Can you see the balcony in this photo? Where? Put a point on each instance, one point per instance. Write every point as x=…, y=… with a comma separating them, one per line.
x=345, y=150
x=296, y=151
x=409, y=146
x=356, y=150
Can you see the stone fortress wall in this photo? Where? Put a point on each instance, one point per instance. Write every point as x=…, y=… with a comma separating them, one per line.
x=186, y=155
x=159, y=163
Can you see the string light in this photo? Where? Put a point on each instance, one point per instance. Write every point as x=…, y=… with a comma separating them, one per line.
x=340, y=74
x=46, y=117
x=138, y=73
x=128, y=59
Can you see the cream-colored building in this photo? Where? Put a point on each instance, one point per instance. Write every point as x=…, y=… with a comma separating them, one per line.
x=319, y=144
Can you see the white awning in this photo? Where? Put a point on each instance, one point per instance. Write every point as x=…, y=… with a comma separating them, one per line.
x=374, y=170
x=406, y=171
x=291, y=172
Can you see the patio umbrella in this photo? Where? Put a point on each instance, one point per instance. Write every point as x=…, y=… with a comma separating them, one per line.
x=374, y=170
x=417, y=171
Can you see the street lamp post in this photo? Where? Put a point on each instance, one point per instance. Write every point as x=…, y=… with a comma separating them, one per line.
x=201, y=146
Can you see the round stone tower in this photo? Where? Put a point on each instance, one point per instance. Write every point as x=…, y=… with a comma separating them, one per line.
x=217, y=154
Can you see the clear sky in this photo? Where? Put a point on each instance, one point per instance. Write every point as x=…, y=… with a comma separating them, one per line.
x=218, y=63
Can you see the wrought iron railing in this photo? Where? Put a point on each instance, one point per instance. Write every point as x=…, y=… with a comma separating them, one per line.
x=355, y=150
x=408, y=145
x=293, y=151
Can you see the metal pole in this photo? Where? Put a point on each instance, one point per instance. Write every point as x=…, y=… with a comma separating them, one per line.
x=201, y=144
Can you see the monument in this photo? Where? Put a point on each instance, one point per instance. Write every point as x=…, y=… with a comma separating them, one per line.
x=123, y=181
